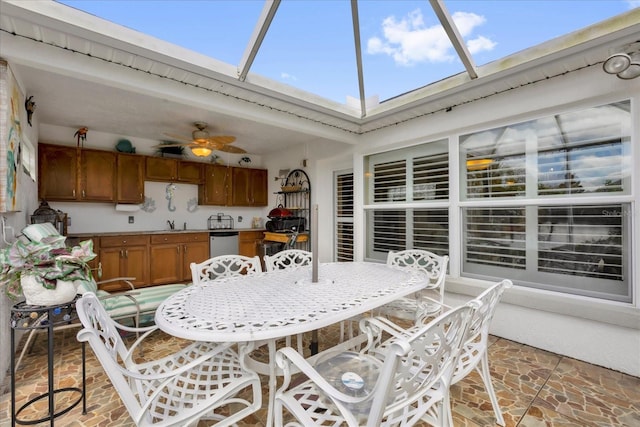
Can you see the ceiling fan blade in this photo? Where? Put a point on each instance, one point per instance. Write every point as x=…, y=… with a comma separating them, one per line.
x=179, y=138
x=231, y=149
x=221, y=139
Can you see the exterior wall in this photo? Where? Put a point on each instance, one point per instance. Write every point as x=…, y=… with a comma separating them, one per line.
x=599, y=332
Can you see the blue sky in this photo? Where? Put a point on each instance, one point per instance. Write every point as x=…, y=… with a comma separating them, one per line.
x=310, y=43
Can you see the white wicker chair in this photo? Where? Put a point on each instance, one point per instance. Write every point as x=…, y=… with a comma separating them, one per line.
x=224, y=266
x=357, y=389
x=203, y=380
x=289, y=258
x=428, y=302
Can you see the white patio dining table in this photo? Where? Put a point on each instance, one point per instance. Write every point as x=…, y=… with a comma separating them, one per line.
x=271, y=305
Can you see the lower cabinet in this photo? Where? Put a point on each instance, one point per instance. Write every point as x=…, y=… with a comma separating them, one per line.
x=249, y=242
x=124, y=256
x=172, y=253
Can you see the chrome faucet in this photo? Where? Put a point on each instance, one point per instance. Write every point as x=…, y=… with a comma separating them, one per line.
x=172, y=224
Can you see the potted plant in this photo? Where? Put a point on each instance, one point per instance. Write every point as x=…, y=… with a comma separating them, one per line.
x=45, y=272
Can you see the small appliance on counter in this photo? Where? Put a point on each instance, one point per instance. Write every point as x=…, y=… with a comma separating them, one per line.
x=282, y=220
x=220, y=222
x=46, y=213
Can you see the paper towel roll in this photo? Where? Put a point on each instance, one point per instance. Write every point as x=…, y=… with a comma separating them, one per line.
x=127, y=208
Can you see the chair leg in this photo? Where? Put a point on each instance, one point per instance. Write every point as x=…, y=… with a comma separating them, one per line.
x=485, y=374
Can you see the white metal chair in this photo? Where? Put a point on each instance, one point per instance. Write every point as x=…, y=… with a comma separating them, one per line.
x=408, y=383
x=202, y=380
x=474, y=354
x=288, y=258
x=224, y=266
x=474, y=351
x=429, y=301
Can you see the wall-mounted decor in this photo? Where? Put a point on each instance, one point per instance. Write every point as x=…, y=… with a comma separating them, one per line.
x=10, y=135
x=30, y=106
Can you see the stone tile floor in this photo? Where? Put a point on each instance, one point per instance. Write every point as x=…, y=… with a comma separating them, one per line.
x=534, y=387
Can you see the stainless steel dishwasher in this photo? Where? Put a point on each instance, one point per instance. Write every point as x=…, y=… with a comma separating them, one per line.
x=223, y=239
x=223, y=242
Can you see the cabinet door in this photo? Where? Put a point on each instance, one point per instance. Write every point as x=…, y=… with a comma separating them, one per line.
x=137, y=264
x=161, y=169
x=193, y=252
x=130, y=179
x=249, y=187
x=259, y=187
x=190, y=172
x=241, y=194
x=248, y=242
x=216, y=187
x=166, y=265
x=110, y=259
x=57, y=172
x=97, y=176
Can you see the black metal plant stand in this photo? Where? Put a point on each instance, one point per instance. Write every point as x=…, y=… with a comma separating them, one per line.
x=30, y=317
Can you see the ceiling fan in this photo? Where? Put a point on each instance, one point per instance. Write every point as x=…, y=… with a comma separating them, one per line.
x=202, y=144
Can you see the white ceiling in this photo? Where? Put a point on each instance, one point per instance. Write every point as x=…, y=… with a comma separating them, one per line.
x=83, y=71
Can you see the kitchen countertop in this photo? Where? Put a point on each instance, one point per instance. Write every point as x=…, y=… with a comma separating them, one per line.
x=134, y=233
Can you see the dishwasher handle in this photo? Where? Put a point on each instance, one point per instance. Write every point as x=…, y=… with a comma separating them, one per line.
x=223, y=234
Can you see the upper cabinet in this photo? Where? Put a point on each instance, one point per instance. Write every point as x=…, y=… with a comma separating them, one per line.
x=249, y=187
x=130, y=179
x=167, y=169
x=230, y=186
x=216, y=189
x=97, y=176
x=74, y=174
x=57, y=172
x=86, y=175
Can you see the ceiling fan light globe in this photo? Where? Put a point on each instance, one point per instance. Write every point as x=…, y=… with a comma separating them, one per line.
x=631, y=72
x=201, y=151
x=616, y=63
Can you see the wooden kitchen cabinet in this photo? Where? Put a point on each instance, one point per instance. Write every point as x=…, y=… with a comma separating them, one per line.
x=190, y=172
x=216, y=189
x=249, y=187
x=130, y=179
x=173, y=170
x=249, y=242
x=172, y=254
x=124, y=256
x=161, y=169
x=57, y=172
x=97, y=176
x=75, y=174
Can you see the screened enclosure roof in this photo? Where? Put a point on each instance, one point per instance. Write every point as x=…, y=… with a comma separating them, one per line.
x=339, y=68
x=347, y=50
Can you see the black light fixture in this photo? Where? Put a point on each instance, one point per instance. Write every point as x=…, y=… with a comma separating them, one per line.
x=624, y=65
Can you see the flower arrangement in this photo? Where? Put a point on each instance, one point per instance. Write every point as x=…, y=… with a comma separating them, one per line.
x=45, y=262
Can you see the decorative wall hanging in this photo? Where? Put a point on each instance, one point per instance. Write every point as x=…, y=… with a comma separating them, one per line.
x=149, y=205
x=30, y=106
x=192, y=204
x=171, y=188
x=10, y=139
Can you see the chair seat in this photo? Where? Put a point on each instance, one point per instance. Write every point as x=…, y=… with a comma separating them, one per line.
x=148, y=299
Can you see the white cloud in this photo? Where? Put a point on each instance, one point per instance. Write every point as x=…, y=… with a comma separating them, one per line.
x=633, y=3
x=287, y=76
x=409, y=41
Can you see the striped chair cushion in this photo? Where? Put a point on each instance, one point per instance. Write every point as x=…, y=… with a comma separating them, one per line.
x=120, y=306
x=37, y=232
